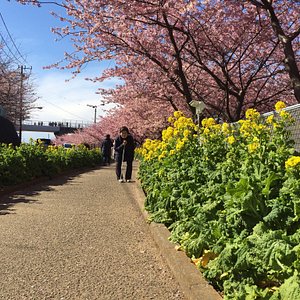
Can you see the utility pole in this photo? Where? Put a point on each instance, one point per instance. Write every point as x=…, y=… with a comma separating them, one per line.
x=95, y=108
x=21, y=100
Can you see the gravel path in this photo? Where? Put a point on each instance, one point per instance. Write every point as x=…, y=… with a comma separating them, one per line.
x=81, y=237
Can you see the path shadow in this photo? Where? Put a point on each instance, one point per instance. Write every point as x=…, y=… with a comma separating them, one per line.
x=23, y=193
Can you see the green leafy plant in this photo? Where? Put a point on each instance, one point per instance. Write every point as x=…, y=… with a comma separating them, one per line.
x=33, y=160
x=230, y=195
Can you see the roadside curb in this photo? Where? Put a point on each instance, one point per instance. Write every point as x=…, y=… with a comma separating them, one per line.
x=191, y=281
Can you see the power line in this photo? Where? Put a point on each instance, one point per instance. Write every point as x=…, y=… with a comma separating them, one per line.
x=82, y=119
x=9, y=57
x=24, y=60
x=2, y=49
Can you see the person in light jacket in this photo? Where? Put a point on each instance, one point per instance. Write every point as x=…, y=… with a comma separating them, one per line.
x=124, y=151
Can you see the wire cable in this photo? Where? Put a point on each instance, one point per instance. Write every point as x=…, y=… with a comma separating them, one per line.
x=80, y=118
x=9, y=49
x=24, y=60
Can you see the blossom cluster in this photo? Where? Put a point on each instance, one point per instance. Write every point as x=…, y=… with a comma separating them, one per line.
x=292, y=162
x=251, y=134
x=173, y=140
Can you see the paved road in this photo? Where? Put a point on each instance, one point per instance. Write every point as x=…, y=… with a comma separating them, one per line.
x=80, y=237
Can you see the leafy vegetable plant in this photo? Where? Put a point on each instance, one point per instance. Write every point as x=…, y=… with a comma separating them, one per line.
x=230, y=195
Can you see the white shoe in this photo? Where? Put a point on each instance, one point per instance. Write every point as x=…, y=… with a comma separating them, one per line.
x=128, y=180
x=121, y=180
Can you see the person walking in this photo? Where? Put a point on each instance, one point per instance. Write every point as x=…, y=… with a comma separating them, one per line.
x=106, y=146
x=124, y=151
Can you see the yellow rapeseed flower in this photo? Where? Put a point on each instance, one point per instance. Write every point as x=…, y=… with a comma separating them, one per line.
x=217, y=127
x=252, y=147
x=280, y=105
x=167, y=134
x=206, y=131
x=252, y=114
x=230, y=139
x=178, y=114
x=186, y=133
x=285, y=115
x=270, y=119
x=171, y=120
x=182, y=119
x=179, y=145
x=225, y=128
x=162, y=155
x=190, y=122
x=245, y=127
x=146, y=143
x=292, y=162
x=256, y=127
x=207, y=122
x=163, y=145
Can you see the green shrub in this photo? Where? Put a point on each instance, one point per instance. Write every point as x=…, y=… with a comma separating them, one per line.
x=231, y=197
x=33, y=160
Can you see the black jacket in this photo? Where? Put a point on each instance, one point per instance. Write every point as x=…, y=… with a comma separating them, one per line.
x=129, y=148
x=106, y=146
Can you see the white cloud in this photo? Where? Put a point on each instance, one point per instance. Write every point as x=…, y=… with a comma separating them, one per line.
x=63, y=101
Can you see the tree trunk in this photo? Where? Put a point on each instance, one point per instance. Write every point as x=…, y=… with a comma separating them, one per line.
x=290, y=60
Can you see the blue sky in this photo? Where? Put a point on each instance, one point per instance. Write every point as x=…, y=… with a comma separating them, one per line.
x=30, y=28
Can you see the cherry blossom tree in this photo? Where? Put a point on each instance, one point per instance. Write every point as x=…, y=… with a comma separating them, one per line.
x=213, y=51
x=284, y=19
x=12, y=89
x=141, y=117
x=228, y=54
x=8, y=90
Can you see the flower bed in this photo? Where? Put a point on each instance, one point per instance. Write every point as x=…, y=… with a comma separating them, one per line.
x=33, y=160
x=230, y=195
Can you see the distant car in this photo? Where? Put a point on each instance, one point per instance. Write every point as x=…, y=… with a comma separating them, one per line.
x=67, y=145
x=45, y=142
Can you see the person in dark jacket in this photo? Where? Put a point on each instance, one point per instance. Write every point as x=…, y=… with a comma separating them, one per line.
x=106, y=146
x=124, y=151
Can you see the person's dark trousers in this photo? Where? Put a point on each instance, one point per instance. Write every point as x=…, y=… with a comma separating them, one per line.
x=128, y=170
x=118, y=166
x=106, y=160
x=128, y=173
